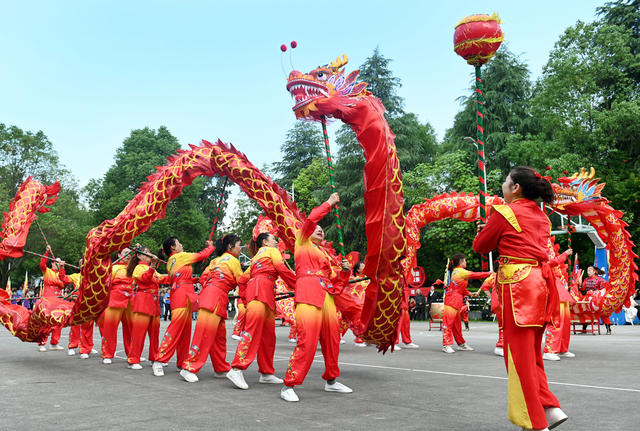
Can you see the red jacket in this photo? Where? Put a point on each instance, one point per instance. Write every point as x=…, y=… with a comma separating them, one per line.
x=457, y=288
x=146, y=281
x=54, y=281
x=266, y=266
x=121, y=291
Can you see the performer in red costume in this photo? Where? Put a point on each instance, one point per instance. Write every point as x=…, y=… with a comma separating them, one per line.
x=490, y=289
x=455, y=290
x=183, y=297
x=594, y=281
x=80, y=335
x=54, y=280
x=118, y=310
x=404, y=325
x=210, y=335
x=529, y=298
x=556, y=343
x=240, y=305
x=259, y=335
x=316, y=314
x=146, y=307
x=357, y=291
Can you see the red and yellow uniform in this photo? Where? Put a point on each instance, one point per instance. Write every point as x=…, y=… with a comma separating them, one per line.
x=182, y=296
x=557, y=338
x=529, y=299
x=595, y=282
x=146, y=312
x=210, y=335
x=456, y=290
x=404, y=325
x=241, y=307
x=489, y=286
x=357, y=292
x=54, y=283
x=80, y=335
x=118, y=310
x=316, y=314
x=259, y=334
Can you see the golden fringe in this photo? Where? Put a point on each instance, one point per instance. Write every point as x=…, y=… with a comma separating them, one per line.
x=478, y=42
x=480, y=17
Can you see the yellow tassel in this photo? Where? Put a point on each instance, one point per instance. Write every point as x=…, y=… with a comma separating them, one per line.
x=476, y=18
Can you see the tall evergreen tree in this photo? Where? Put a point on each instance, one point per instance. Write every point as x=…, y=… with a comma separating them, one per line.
x=303, y=144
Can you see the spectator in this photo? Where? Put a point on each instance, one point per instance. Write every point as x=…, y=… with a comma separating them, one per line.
x=167, y=305
x=431, y=298
x=412, y=308
x=421, y=302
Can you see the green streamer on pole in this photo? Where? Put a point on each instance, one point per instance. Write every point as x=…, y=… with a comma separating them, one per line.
x=481, y=160
x=332, y=182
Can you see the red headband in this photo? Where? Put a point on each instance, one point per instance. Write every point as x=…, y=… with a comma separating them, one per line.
x=540, y=176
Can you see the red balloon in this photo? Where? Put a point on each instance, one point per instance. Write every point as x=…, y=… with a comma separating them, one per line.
x=283, y=47
x=477, y=38
x=294, y=44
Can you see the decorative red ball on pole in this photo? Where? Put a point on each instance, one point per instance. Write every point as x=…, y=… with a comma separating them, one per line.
x=477, y=38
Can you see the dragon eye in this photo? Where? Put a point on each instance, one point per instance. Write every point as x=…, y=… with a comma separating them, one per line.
x=321, y=76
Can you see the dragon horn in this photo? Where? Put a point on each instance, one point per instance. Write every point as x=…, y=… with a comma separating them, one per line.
x=335, y=65
x=592, y=173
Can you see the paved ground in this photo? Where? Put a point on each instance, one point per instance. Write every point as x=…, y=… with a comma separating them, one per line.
x=412, y=389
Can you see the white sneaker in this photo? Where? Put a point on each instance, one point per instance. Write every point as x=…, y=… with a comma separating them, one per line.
x=567, y=355
x=107, y=361
x=71, y=352
x=361, y=344
x=157, y=369
x=237, y=379
x=221, y=375
x=397, y=348
x=342, y=341
x=448, y=349
x=135, y=366
x=42, y=348
x=555, y=416
x=56, y=347
x=142, y=359
x=94, y=351
x=465, y=346
x=288, y=394
x=550, y=357
x=236, y=337
x=189, y=376
x=269, y=378
x=84, y=356
x=337, y=387
x=498, y=351
x=411, y=346
x=293, y=340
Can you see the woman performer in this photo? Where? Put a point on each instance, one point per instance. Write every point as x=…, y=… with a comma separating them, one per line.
x=357, y=291
x=556, y=344
x=146, y=307
x=210, y=336
x=241, y=307
x=54, y=280
x=316, y=314
x=529, y=298
x=490, y=289
x=456, y=289
x=118, y=310
x=259, y=334
x=594, y=282
x=80, y=335
x=404, y=325
x=178, y=333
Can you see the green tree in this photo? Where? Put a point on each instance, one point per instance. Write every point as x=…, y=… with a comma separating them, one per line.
x=304, y=143
x=312, y=186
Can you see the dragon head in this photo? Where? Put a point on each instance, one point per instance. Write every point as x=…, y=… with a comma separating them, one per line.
x=579, y=187
x=322, y=83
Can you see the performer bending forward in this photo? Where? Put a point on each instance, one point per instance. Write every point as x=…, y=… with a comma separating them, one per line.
x=210, y=336
x=529, y=298
x=259, y=335
x=316, y=315
x=178, y=334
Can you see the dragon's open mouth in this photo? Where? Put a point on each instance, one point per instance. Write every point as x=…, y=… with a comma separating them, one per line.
x=304, y=91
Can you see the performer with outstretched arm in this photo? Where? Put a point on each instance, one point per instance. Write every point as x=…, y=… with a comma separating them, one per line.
x=316, y=315
x=54, y=280
x=259, y=335
x=455, y=291
x=520, y=231
x=183, y=297
x=210, y=335
x=146, y=307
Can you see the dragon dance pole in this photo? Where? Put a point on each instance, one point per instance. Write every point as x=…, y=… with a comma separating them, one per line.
x=215, y=221
x=482, y=177
x=45, y=237
x=50, y=258
x=332, y=182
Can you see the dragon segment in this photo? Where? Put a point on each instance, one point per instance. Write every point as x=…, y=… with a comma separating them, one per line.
x=326, y=92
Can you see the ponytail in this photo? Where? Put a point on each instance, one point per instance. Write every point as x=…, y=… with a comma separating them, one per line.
x=455, y=261
x=254, y=245
x=166, y=247
x=222, y=244
x=533, y=185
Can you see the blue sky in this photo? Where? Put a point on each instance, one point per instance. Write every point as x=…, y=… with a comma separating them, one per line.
x=88, y=72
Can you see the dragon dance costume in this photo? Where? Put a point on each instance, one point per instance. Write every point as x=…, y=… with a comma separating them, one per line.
x=404, y=325
x=529, y=300
x=146, y=312
x=210, y=335
x=178, y=334
x=595, y=282
x=557, y=338
x=241, y=306
x=489, y=286
x=259, y=335
x=80, y=335
x=456, y=290
x=54, y=283
x=118, y=310
x=316, y=314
